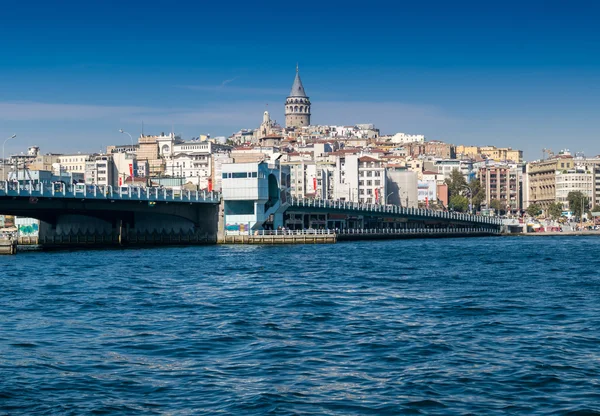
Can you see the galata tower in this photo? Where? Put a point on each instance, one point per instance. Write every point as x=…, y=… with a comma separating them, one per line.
x=297, y=105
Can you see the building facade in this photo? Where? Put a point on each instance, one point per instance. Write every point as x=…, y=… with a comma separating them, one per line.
x=541, y=179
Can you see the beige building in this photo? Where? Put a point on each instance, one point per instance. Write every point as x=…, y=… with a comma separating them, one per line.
x=72, y=163
x=499, y=154
x=541, y=179
x=148, y=150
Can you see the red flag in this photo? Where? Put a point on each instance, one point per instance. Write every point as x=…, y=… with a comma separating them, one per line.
x=315, y=184
x=120, y=181
x=376, y=194
x=131, y=170
x=210, y=184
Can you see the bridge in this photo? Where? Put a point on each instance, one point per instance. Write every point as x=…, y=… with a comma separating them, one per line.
x=80, y=215
x=84, y=215
x=395, y=215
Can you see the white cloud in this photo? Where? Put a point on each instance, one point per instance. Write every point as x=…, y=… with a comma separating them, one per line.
x=30, y=111
x=228, y=89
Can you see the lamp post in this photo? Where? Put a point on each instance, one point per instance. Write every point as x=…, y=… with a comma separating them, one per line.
x=124, y=132
x=387, y=196
x=3, y=159
x=132, y=145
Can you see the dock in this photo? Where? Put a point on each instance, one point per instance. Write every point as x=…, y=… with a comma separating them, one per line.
x=282, y=237
x=333, y=236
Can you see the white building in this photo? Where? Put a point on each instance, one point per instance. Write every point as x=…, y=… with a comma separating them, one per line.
x=100, y=170
x=407, y=138
x=255, y=195
x=72, y=163
x=193, y=160
x=574, y=180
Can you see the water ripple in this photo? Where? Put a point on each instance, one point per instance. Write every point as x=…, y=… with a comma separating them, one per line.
x=457, y=326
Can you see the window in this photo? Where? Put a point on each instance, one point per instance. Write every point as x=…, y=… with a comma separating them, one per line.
x=240, y=175
x=254, y=174
x=361, y=183
x=369, y=183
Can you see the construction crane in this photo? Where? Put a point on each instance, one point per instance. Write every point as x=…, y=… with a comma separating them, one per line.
x=548, y=152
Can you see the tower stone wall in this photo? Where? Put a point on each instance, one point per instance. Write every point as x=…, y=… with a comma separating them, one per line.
x=297, y=105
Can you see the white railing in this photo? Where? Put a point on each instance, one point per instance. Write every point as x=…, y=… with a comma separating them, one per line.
x=393, y=209
x=370, y=231
x=82, y=191
x=407, y=231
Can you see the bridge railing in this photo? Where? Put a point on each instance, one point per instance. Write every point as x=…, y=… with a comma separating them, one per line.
x=62, y=190
x=373, y=231
x=393, y=209
x=392, y=231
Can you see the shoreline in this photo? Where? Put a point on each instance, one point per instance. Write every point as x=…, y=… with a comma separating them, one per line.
x=554, y=233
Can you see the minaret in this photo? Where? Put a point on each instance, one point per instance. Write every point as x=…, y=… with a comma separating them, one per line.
x=297, y=105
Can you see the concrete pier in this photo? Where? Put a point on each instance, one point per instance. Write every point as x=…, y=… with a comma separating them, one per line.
x=333, y=236
x=8, y=246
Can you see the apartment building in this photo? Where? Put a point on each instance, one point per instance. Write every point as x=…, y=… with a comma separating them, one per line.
x=541, y=179
x=502, y=183
x=578, y=179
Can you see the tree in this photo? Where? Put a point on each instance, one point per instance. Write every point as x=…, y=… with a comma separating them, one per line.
x=578, y=203
x=555, y=210
x=496, y=205
x=478, y=194
x=596, y=208
x=534, y=210
x=459, y=203
x=456, y=183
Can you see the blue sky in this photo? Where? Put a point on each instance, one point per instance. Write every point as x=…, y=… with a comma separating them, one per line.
x=522, y=74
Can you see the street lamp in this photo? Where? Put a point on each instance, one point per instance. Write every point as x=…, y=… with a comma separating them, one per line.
x=387, y=196
x=124, y=132
x=3, y=159
x=132, y=145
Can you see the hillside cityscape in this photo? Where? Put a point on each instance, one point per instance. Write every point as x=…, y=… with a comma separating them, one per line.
x=356, y=163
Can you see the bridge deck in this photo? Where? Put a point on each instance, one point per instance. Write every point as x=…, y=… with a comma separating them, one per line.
x=312, y=205
x=96, y=192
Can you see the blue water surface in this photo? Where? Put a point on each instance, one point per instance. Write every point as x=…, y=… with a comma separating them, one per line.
x=451, y=326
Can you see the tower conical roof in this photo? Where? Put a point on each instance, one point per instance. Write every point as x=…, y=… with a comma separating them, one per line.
x=297, y=88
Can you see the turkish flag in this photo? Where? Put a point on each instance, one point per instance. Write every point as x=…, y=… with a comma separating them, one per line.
x=315, y=183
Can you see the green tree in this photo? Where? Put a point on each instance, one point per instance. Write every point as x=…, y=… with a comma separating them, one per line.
x=496, y=205
x=456, y=183
x=596, y=208
x=555, y=210
x=578, y=203
x=534, y=210
x=459, y=203
x=478, y=193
